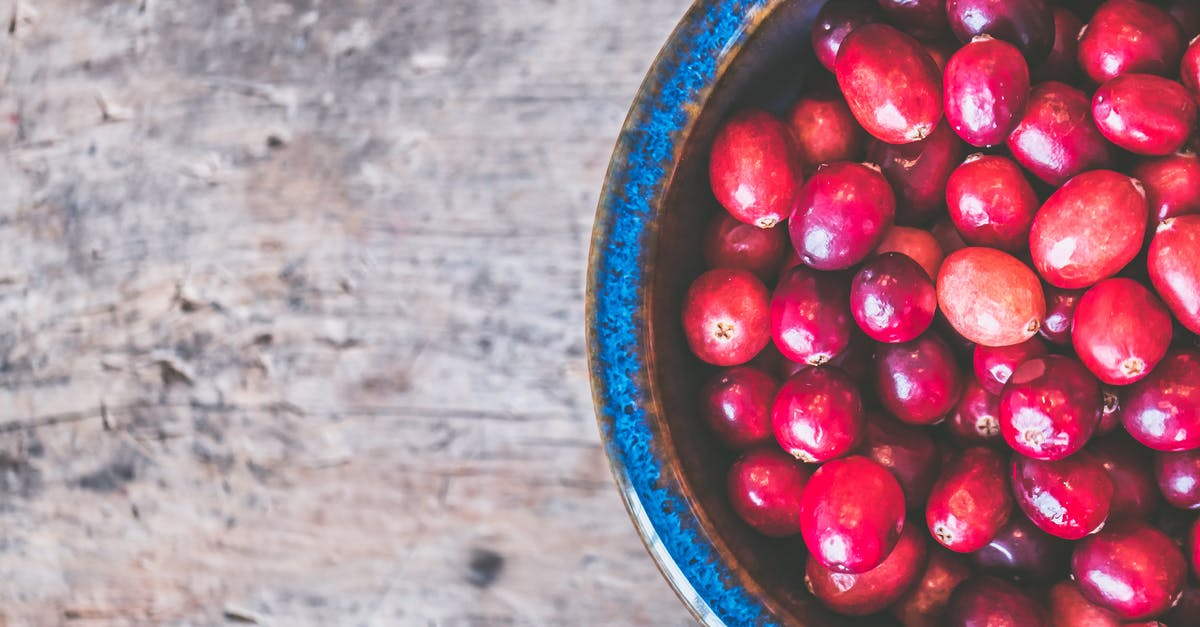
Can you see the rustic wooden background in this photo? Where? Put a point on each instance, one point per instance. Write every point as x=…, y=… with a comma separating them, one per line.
x=291, y=312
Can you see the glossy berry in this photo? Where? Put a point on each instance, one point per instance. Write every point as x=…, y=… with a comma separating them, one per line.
x=1061, y=64
x=1130, y=568
x=1121, y=331
x=764, y=487
x=892, y=298
x=834, y=21
x=725, y=317
x=1129, y=467
x=824, y=129
x=1178, y=477
x=810, y=315
x=818, y=415
x=874, y=590
x=918, y=172
x=986, y=86
x=1050, y=407
x=993, y=365
x=1190, y=67
x=1126, y=36
x=918, y=381
x=991, y=203
x=976, y=418
x=851, y=514
x=1056, y=137
x=1069, y=608
x=1028, y=24
x=736, y=405
x=1144, y=114
x=1162, y=411
x=1174, y=264
x=730, y=243
x=1172, y=186
x=1068, y=498
x=892, y=85
x=924, y=604
x=1060, y=315
x=908, y=452
x=917, y=244
x=841, y=215
x=971, y=501
x=991, y=602
x=990, y=297
x=1023, y=552
x=753, y=168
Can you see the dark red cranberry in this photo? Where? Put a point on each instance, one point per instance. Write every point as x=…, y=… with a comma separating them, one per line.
x=1050, y=407
x=1190, y=67
x=908, y=452
x=992, y=602
x=824, y=129
x=925, y=19
x=1178, y=476
x=990, y=297
x=1174, y=264
x=872, y=591
x=892, y=298
x=890, y=83
x=1061, y=65
x=971, y=501
x=1187, y=13
x=1144, y=114
x=1172, y=185
x=1023, y=552
x=1028, y=24
x=730, y=243
x=1193, y=548
x=1089, y=229
x=1121, y=331
x=986, y=86
x=1130, y=568
x=1068, y=498
x=1162, y=411
x=754, y=169
x=834, y=21
x=924, y=604
x=841, y=215
x=851, y=514
x=1135, y=494
x=725, y=317
x=1057, y=137
x=818, y=415
x=991, y=203
x=994, y=365
x=810, y=316
x=977, y=416
x=918, y=172
x=1126, y=36
x=764, y=488
x=1110, y=413
x=736, y=404
x=1068, y=608
x=917, y=244
x=918, y=381
x=1060, y=314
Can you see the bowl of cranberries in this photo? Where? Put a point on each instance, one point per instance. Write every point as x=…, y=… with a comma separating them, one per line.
x=893, y=312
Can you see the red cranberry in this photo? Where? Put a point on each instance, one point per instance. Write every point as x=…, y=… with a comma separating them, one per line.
x=992, y=602
x=986, y=87
x=841, y=215
x=1068, y=498
x=765, y=487
x=994, y=365
x=1126, y=36
x=1023, y=552
x=1130, y=568
x=991, y=203
x=1144, y=114
x=1121, y=331
x=918, y=172
x=1056, y=137
x=918, y=381
x=730, y=243
x=990, y=297
x=925, y=19
x=1172, y=185
x=908, y=452
x=810, y=315
x=818, y=415
x=1135, y=494
x=1060, y=314
x=1178, y=476
x=1089, y=229
x=1068, y=608
x=851, y=514
x=736, y=404
x=1162, y=411
x=917, y=244
x=1187, y=13
x=1174, y=264
x=872, y=591
x=1190, y=67
x=970, y=502
x=892, y=298
x=725, y=317
x=890, y=83
x=753, y=168
x=1061, y=65
x=1049, y=408
x=824, y=129
x=977, y=416
x=925, y=603
x=1029, y=24
x=834, y=21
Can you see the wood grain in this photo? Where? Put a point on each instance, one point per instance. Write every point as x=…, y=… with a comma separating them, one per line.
x=291, y=323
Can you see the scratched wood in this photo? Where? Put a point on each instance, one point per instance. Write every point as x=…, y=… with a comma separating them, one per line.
x=291, y=324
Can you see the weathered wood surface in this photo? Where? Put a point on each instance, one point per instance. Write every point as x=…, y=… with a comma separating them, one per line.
x=292, y=312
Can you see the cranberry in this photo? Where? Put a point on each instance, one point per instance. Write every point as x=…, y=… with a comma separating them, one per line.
x=1049, y=408
x=986, y=87
x=764, y=487
x=730, y=243
x=1190, y=67
x=1193, y=546
x=1174, y=264
x=1119, y=331
x=918, y=381
x=1068, y=498
x=834, y=21
x=991, y=203
x=851, y=514
x=1029, y=24
x=890, y=83
x=1178, y=476
x=1127, y=36
x=1110, y=413
x=1056, y=137
x=810, y=315
x=990, y=297
x=892, y=298
x=925, y=603
x=753, y=168
x=1089, y=229
x=994, y=365
x=917, y=244
x=824, y=129
x=992, y=602
x=1060, y=314
x=977, y=416
x=1023, y=552
x=1068, y=608
x=1172, y=185
x=725, y=317
x=918, y=172
x=1144, y=114
x=871, y=591
x=818, y=415
x=841, y=215
x=1061, y=65
x=1187, y=13
x=909, y=453
x=925, y=19
x=1162, y=411
x=736, y=404
x=1130, y=568
x=1135, y=494
x=970, y=502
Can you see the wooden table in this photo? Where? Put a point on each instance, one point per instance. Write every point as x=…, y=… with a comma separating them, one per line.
x=292, y=312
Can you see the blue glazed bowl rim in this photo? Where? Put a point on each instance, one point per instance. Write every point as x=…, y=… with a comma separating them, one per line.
x=694, y=559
